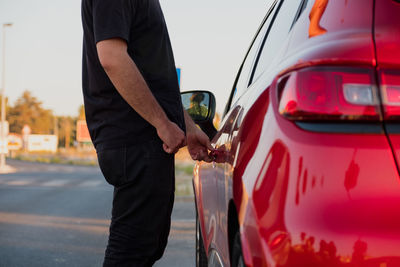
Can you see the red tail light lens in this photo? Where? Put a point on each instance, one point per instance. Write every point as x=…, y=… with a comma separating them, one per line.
x=390, y=88
x=330, y=94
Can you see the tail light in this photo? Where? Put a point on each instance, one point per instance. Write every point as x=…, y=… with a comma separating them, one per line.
x=390, y=88
x=330, y=94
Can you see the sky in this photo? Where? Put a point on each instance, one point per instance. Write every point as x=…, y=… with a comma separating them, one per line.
x=44, y=46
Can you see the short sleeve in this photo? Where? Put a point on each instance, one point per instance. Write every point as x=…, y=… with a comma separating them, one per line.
x=112, y=19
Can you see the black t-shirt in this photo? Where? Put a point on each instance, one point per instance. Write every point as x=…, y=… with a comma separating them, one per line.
x=112, y=122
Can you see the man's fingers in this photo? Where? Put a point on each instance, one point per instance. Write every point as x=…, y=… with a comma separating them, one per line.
x=173, y=138
x=209, y=146
x=206, y=142
x=171, y=150
x=194, y=155
x=208, y=159
x=201, y=154
x=167, y=149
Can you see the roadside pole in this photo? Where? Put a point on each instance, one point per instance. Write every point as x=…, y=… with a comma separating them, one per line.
x=3, y=167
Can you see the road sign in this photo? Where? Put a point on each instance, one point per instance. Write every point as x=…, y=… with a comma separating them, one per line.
x=82, y=132
x=40, y=142
x=178, y=72
x=14, y=141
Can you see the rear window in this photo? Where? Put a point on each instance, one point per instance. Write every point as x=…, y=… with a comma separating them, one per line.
x=277, y=35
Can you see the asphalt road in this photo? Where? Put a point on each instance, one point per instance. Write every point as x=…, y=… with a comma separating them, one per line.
x=57, y=215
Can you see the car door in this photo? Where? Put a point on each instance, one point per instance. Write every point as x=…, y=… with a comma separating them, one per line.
x=223, y=140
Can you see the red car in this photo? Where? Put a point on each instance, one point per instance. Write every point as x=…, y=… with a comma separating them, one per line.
x=306, y=166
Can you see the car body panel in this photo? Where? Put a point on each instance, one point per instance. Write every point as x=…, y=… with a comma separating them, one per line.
x=347, y=39
x=387, y=33
x=387, y=39
x=304, y=198
x=318, y=202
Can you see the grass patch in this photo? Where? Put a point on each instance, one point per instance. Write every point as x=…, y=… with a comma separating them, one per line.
x=55, y=160
x=183, y=175
x=186, y=168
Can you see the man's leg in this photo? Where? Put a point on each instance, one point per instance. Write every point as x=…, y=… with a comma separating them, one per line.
x=142, y=207
x=162, y=244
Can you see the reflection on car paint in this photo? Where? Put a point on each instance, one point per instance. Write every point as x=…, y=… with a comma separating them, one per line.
x=315, y=16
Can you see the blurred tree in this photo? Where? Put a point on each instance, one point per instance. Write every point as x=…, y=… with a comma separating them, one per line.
x=67, y=131
x=82, y=115
x=28, y=110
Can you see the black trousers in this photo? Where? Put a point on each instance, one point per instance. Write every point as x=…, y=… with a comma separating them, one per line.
x=143, y=177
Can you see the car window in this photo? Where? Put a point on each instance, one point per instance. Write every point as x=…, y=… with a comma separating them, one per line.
x=300, y=11
x=243, y=79
x=276, y=36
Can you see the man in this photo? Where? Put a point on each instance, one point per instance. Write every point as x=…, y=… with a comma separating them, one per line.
x=197, y=110
x=136, y=121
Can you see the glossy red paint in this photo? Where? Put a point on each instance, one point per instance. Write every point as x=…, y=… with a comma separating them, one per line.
x=304, y=198
x=387, y=39
x=387, y=33
x=324, y=192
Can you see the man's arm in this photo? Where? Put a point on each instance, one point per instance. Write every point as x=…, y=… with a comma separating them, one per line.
x=197, y=141
x=131, y=85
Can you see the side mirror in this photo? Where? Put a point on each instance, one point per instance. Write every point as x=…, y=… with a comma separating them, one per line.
x=200, y=105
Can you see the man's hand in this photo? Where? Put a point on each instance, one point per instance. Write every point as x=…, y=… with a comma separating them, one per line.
x=198, y=145
x=197, y=141
x=172, y=136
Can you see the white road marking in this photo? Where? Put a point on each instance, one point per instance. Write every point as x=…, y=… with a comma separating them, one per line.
x=3, y=181
x=56, y=183
x=18, y=182
x=50, y=183
x=90, y=183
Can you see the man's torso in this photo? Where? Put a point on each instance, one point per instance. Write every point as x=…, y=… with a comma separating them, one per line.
x=112, y=122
